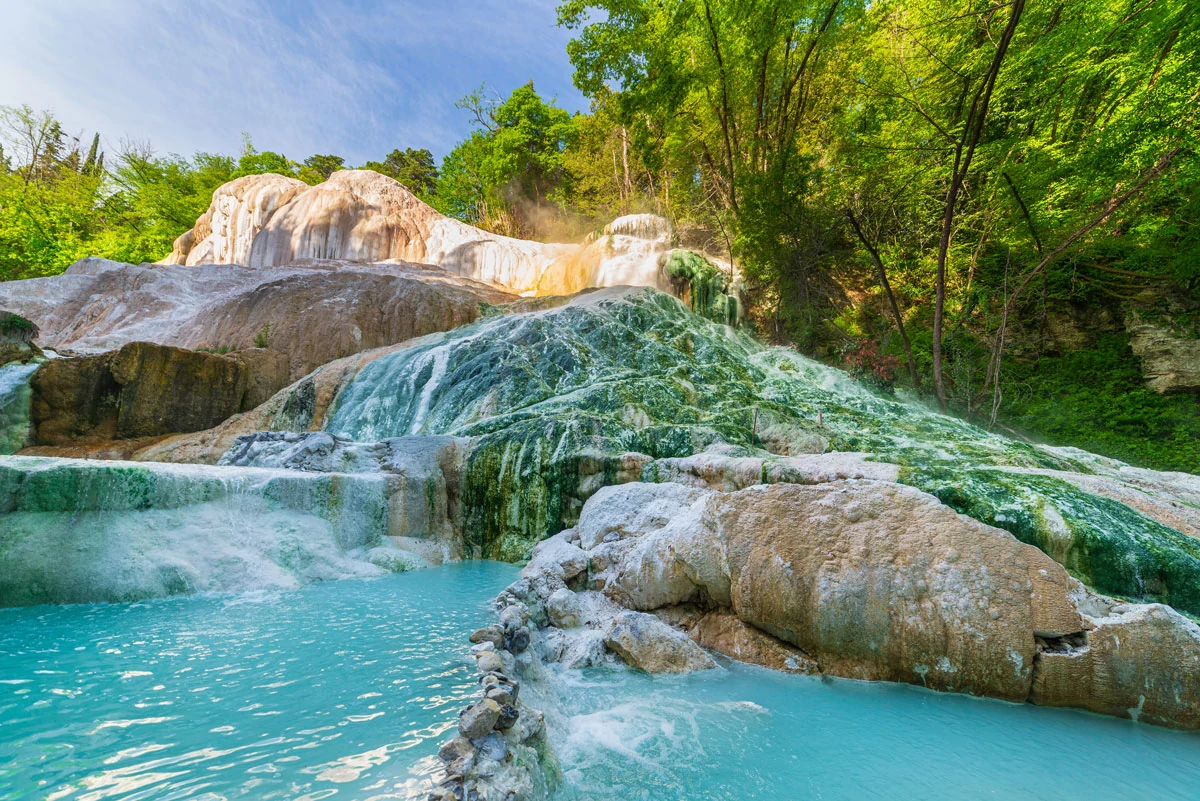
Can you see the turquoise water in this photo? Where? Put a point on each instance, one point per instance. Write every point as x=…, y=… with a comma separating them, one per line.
x=344, y=690
x=336, y=690
x=747, y=732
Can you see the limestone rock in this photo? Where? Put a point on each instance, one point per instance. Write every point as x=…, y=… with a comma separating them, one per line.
x=314, y=312
x=631, y=510
x=479, y=719
x=17, y=337
x=880, y=581
x=724, y=633
x=240, y=208
x=1170, y=361
x=1139, y=661
x=646, y=643
x=563, y=609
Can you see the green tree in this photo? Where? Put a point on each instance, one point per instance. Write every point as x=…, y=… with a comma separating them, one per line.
x=508, y=175
x=415, y=169
x=318, y=168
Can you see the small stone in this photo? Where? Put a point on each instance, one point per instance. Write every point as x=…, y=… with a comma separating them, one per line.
x=456, y=749
x=483, y=646
x=508, y=717
x=493, y=747
x=501, y=694
x=563, y=609
x=513, y=617
x=479, y=719
x=492, y=634
x=518, y=641
x=489, y=661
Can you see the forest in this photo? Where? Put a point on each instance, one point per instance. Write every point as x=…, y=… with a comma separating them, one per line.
x=964, y=201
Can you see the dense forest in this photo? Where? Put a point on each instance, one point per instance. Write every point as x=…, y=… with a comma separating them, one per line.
x=967, y=200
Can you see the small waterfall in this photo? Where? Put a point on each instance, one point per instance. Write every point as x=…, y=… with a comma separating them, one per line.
x=79, y=531
x=14, y=405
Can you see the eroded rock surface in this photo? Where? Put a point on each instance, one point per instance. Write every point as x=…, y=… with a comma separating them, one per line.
x=314, y=312
x=862, y=579
x=146, y=390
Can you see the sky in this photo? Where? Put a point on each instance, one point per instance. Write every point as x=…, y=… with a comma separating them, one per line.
x=356, y=78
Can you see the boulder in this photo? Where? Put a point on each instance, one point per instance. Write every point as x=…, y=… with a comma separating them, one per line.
x=646, y=643
x=146, y=390
x=479, y=719
x=1138, y=661
x=314, y=312
x=563, y=609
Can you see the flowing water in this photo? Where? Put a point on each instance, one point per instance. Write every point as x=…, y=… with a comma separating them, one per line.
x=14, y=405
x=345, y=689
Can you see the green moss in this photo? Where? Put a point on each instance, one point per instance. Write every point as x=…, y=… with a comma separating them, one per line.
x=1104, y=543
x=546, y=394
x=710, y=290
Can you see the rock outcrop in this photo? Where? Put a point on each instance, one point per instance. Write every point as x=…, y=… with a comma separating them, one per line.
x=240, y=209
x=17, y=336
x=313, y=312
x=146, y=390
x=1170, y=360
x=860, y=579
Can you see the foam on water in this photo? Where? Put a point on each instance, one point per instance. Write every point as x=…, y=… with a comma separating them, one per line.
x=745, y=732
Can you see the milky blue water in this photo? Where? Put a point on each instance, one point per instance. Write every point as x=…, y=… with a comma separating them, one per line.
x=344, y=690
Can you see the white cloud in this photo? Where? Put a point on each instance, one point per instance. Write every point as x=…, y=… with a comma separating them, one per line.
x=353, y=77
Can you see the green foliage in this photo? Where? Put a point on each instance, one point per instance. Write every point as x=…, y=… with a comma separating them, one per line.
x=263, y=338
x=1096, y=400
x=413, y=168
x=317, y=169
x=507, y=175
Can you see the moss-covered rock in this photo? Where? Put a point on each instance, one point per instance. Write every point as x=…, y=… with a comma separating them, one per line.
x=556, y=399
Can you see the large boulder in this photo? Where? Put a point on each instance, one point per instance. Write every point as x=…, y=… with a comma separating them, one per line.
x=313, y=312
x=147, y=390
x=646, y=643
x=873, y=580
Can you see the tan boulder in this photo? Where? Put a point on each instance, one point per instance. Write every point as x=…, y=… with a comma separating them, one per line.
x=1139, y=661
x=145, y=390
x=646, y=643
x=880, y=581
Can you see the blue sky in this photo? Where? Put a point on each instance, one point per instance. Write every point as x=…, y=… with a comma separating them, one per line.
x=352, y=77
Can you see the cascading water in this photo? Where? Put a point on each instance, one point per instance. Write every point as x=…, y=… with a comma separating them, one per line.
x=14, y=405
x=79, y=532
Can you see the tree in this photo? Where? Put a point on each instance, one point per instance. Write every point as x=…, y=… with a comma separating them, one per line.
x=413, y=168
x=318, y=168
x=508, y=174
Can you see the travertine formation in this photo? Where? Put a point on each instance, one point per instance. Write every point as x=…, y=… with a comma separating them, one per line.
x=314, y=312
x=861, y=579
x=225, y=233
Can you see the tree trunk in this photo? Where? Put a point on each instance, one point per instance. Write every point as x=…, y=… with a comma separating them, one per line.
x=887, y=290
x=964, y=152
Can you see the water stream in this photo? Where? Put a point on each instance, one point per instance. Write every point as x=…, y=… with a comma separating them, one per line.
x=345, y=689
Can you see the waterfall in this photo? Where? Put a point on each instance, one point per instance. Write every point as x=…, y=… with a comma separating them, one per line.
x=79, y=531
x=14, y=405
